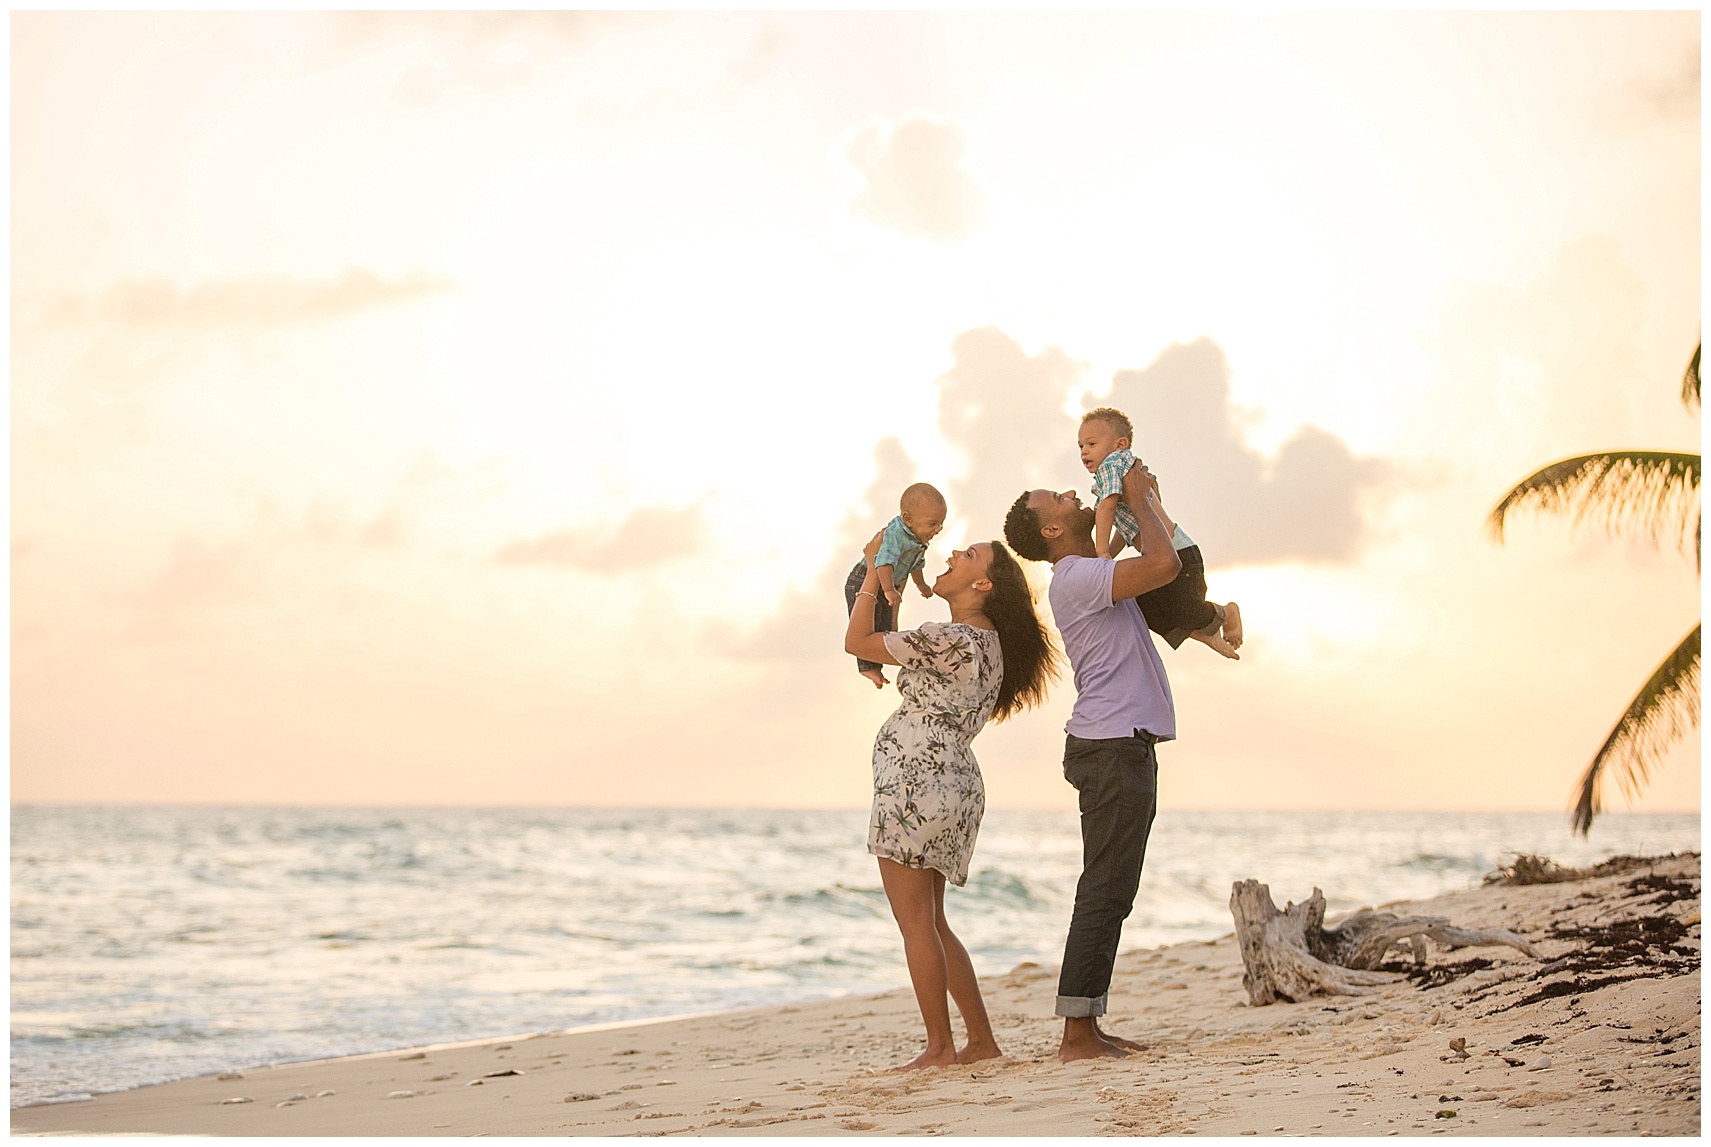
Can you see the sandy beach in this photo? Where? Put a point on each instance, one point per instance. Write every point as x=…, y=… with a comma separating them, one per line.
x=1600, y=1035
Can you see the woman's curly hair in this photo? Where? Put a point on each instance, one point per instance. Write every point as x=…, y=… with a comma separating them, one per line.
x=1031, y=660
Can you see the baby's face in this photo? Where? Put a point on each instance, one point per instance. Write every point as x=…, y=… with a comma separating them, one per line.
x=925, y=524
x=1097, y=440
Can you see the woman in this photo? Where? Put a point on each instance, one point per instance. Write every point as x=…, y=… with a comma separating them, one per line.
x=992, y=659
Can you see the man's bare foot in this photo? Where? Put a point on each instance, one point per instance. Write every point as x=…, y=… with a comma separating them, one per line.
x=877, y=676
x=1083, y=1040
x=1216, y=641
x=975, y=1052
x=932, y=1057
x=1112, y=1037
x=1233, y=625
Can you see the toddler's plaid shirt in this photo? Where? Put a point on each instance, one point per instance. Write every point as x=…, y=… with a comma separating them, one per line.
x=1108, y=480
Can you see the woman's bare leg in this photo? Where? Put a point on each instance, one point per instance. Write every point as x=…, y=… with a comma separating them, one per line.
x=910, y=892
x=964, y=987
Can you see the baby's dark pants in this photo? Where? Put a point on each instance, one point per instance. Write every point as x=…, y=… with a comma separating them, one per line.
x=882, y=614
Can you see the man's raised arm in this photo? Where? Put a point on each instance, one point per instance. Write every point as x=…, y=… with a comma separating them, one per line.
x=1157, y=564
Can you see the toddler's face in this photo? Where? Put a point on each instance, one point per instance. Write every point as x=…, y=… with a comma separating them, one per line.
x=1097, y=440
x=925, y=524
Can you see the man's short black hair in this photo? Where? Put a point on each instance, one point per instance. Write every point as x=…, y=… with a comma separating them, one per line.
x=1022, y=530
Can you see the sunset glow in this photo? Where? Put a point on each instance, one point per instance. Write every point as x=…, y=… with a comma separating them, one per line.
x=485, y=408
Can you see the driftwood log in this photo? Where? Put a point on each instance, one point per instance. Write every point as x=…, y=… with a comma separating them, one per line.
x=1290, y=955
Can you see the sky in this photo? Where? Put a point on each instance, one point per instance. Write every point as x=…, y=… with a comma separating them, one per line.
x=486, y=408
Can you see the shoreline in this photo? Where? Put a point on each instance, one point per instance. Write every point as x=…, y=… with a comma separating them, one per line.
x=1598, y=1036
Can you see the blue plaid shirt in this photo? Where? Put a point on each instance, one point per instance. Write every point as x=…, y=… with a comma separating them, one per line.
x=900, y=549
x=1108, y=480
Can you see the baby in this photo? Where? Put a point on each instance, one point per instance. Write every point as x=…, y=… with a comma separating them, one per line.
x=1176, y=611
x=902, y=548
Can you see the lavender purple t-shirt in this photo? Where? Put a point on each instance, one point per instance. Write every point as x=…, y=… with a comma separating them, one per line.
x=1120, y=684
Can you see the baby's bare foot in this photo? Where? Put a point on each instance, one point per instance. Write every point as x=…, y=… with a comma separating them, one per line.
x=877, y=676
x=1233, y=625
x=1217, y=642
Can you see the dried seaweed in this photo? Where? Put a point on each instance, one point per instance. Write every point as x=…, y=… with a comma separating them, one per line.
x=1528, y=868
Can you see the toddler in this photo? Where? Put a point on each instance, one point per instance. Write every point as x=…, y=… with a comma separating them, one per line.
x=902, y=548
x=1176, y=611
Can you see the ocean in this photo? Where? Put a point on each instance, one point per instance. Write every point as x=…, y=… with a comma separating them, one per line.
x=157, y=943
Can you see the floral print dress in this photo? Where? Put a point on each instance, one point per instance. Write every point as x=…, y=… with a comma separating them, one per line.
x=927, y=793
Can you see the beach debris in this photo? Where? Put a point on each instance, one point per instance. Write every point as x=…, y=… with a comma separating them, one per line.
x=224, y=1075
x=1539, y=1064
x=473, y=1083
x=405, y=1094
x=1290, y=955
x=324, y=1093
x=413, y=1055
x=236, y=1099
x=295, y=1096
x=501, y=1047
x=1458, y=1051
x=580, y=1097
x=1445, y=1113
x=442, y=1077
x=1528, y=868
x=497, y=1074
x=285, y=1103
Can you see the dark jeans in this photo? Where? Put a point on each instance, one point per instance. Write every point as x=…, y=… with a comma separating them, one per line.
x=882, y=615
x=1118, y=783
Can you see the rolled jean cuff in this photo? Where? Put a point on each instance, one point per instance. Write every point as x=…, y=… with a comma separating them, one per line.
x=1080, y=1007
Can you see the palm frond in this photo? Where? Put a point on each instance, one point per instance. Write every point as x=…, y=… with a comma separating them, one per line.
x=1664, y=708
x=1651, y=490
x=1690, y=380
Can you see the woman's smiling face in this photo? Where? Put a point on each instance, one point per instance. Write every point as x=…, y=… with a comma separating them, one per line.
x=964, y=568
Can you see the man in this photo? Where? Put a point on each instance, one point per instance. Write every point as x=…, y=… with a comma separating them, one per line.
x=1122, y=709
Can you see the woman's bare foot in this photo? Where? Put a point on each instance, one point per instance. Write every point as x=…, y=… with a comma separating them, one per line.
x=1233, y=625
x=877, y=676
x=975, y=1052
x=940, y=1057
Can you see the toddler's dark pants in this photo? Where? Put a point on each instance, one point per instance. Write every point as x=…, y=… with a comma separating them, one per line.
x=1176, y=610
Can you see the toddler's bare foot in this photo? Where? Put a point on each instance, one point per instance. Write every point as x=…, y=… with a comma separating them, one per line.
x=877, y=676
x=1233, y=625
x=1216, y=641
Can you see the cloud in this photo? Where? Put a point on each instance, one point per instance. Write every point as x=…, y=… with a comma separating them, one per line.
x=1304, y=504
x=220, y=304
x=914, y=179
x=1671, y=93
x=1006, y=410
x=809, y=626
x=650, y=536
